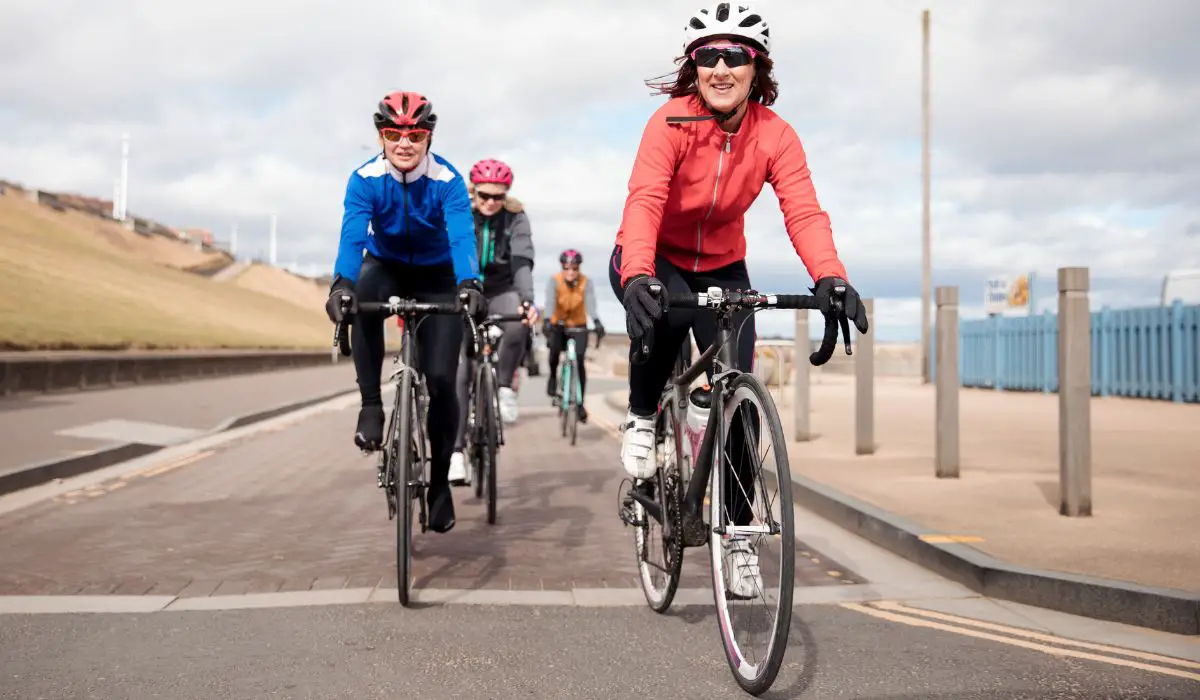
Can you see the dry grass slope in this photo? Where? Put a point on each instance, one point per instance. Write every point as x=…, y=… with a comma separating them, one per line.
x=70, y=281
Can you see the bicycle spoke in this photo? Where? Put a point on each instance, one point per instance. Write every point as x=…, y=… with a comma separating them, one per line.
x=755, y=521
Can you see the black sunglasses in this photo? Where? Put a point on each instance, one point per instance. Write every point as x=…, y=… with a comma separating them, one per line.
x=735, y=55
x=491, y=197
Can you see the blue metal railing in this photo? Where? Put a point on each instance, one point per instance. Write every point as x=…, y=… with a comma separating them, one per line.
x=1151, y=353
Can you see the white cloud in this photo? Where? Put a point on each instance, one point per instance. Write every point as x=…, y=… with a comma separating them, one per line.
x=1064, y=133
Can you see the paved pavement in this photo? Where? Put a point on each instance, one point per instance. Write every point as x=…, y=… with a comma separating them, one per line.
x=298, y=509
x=1145, y=484
x=543, y=604
x=40, y=428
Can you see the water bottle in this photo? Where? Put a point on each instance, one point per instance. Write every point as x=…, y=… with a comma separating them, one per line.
x=699, y=403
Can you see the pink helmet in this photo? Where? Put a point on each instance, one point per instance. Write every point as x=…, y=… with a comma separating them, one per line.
x=491, y=170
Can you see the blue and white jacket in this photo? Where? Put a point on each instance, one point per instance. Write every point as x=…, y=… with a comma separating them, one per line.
x=422, y=217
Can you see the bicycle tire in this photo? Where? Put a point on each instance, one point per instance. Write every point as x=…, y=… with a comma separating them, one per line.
x=670, y=500
x=402, y=451
x=476, y=432
x=573, y=426
x=755, y=678
x=489, y=414
x=565, y=391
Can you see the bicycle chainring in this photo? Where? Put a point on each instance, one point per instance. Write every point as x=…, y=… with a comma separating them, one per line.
x=673, y=533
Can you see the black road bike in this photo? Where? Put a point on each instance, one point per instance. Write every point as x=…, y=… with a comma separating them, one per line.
x=485, y=431
x=403, y=472
x=692, y=503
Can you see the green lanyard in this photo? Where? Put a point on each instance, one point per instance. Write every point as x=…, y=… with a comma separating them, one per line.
x=489, y=247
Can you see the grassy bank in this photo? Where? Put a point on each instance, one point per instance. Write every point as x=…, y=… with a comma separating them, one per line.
x=65, y=285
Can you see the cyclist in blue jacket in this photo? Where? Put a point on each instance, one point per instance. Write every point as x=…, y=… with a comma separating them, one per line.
x=408, y=231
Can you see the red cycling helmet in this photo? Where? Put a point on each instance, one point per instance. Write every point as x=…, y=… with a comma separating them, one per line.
x=570, y=255
x=491, y=170
x=405, y=109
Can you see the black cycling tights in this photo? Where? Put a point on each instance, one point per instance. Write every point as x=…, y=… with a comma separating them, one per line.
x=646, y=381
x=438, y=339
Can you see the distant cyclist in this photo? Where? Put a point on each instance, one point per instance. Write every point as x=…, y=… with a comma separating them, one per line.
x=406, y=231
x=570, y=301
x=703, y=159
x=504, y=244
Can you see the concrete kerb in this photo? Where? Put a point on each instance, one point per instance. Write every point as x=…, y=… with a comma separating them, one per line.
x=1163, y=609
x=43, y=472
x=34, y=372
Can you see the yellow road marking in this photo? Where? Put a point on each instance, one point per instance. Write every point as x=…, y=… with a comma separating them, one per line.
x=946, y=539
x=164, y=468
x=1053, y=651
x=1034, y=635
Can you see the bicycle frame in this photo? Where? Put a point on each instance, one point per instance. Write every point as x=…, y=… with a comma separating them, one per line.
x=719, y=357
x=567, y=378
x=488, y=359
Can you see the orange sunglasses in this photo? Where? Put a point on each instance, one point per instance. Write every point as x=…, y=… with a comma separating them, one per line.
x=414, y=135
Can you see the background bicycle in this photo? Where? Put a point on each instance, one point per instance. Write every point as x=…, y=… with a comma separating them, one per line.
x=485, y=431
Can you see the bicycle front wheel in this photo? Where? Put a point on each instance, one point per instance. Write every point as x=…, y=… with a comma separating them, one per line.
x=401, y=446
x=753, y=543
x=576, y=400
x=488, y=413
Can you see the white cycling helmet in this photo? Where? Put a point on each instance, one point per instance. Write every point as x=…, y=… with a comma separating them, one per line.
x=733, y=20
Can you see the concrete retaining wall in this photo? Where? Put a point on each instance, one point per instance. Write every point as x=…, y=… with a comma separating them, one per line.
x=44, y=372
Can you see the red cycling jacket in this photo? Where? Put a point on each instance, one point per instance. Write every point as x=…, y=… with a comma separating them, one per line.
x=692, y=184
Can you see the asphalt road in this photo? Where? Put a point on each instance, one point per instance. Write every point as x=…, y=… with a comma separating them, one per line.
x=384, y=651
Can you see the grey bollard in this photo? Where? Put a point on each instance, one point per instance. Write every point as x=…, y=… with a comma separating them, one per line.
x=946, y=455
x=864, y=387
x=801, y=393
x=1074, y=393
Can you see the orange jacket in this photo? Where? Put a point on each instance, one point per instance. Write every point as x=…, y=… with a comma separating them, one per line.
x=692, y=184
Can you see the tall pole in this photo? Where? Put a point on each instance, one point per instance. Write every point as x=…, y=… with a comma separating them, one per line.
x=271, y=255
x=926, y=267
x=124, y=175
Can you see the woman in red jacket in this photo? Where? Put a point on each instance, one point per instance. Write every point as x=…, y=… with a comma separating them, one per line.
x=703, y=159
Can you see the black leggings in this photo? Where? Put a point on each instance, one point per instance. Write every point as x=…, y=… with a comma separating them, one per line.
x=556, y=344
x=646, y=381
x=438, y=336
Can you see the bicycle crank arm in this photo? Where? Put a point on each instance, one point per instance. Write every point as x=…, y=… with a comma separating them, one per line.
x=653, y=509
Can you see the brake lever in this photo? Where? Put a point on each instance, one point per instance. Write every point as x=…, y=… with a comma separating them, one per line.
x=837, y=302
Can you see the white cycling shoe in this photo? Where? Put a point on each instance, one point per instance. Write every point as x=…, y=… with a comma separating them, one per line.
x=743, y=578
x=458, y=474
x=508, y=405
x=637, y=446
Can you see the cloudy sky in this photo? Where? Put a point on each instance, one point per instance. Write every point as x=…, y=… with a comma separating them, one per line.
x=1064, y=133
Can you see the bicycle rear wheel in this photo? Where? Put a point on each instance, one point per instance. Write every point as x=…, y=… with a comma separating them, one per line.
x=660, y=579
x=751, y=514
x=401, y=446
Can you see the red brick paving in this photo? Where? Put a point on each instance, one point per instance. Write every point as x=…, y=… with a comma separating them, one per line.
x=298, y=509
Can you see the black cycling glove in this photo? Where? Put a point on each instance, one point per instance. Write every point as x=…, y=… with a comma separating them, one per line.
x=642, y=308
x=340, y=288
x=856, y=312
x=471, y=292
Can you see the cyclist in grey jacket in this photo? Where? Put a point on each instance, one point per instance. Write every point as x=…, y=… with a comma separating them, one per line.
x=504, y=243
